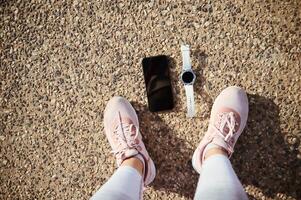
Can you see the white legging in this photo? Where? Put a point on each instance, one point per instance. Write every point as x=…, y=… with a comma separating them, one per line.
x=217, y=181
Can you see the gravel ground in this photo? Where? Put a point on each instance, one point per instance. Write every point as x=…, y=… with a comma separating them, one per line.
x=61, y=61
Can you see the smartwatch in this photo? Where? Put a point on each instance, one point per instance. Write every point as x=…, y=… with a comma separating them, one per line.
x=188, y=79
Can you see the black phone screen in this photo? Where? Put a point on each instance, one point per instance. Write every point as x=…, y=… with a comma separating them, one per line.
x=157, y=82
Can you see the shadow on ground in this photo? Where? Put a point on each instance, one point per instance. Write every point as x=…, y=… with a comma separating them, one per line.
x=263, y=158
x=171, y=155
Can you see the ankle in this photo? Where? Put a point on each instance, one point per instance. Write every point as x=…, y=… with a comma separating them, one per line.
x=215, y=151
x=136, y=163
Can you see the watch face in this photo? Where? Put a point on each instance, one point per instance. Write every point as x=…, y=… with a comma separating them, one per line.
x=187, y=77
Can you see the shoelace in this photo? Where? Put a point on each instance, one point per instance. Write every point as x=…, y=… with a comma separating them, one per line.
x=226, y=120
x=125, y=138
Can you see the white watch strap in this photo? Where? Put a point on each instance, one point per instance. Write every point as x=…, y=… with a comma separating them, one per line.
x=186, y=56
x=190, y=100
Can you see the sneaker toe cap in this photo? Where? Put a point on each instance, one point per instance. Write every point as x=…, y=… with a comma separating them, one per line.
x=235, y=98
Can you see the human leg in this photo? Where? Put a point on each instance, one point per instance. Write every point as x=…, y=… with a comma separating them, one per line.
x=125, y=184
x=136, y=168
x=218, y=180
x=211, y=159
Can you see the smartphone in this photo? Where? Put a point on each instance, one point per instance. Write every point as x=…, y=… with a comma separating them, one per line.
x=157, y=83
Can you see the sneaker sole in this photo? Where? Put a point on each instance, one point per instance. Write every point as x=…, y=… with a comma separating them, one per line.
x=153, y=172
x=193, y=161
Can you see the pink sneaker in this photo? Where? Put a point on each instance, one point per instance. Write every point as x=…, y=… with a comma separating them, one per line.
x=228, y=118
x=122, y=130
